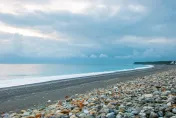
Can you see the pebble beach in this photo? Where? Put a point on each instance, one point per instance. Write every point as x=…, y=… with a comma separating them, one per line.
x=152, y=96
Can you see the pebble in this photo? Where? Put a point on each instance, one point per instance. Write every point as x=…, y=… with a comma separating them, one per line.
x=135, y=112
x=151, y=96
x=86, y=111
x=169, y=104
x=174, y=110
x=110, y=115
x=147, y=95
x=119, y=116
x=153, y=115
x=169, y=114
x=160, y=114
x=26, y=114
x=49, y=101
x=5, y=115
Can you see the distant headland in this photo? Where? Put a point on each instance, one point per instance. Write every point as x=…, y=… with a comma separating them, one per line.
x=157, y=62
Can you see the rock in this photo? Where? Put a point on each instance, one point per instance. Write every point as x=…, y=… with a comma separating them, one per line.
x=129, y=104
x=173, y=117
x=119, y=116
x=49, y=101
x=135, y=112
x=22, y=111
x=166, y=93
x=153, y=115
x=173, y=101
x=169, y=104
x=13, y=114
x=103, y=115
x=86, y=111
x=104, y=110
x=174, y=110
x=32, y=116
x=173, y=90
x=160, y=114
x=65, y=111
x=169, y=114
x=110, y=115
x=168, y=109
x=156, y=93
x=73, y=116
x=90, y=116
x=143, y=115
x=82, y=115
x=38, y=115
x=26, y=114
x=5, y=115
x=147, y=95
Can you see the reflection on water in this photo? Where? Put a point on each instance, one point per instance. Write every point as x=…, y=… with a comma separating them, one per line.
x=12, y=71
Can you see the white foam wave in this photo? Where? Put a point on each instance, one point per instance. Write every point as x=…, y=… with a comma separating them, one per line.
x=33, y=80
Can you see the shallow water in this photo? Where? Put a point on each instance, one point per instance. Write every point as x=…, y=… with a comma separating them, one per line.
x=21, y=74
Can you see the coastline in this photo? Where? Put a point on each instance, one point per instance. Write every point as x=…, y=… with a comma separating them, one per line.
x=17, y=98
x=44, y=79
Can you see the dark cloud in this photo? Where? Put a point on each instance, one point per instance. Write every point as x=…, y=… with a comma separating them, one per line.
x=84, y=30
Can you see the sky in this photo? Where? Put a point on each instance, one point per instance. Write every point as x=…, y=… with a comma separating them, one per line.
x=87, y=30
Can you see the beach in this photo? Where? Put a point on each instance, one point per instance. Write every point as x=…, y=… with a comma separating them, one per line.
x=34, y=100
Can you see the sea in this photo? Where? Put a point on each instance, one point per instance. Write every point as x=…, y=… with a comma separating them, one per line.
x=23, y=74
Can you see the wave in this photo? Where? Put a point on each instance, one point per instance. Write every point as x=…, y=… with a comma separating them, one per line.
x=34, y=80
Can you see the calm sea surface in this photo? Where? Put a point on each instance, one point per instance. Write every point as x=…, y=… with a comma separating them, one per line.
x=12, y=71
x=22, y=74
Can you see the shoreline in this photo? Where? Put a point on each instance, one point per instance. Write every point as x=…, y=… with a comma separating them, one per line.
x=17, y=98
x=45, y=79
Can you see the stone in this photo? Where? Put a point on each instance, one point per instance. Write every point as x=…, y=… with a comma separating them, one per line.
x=86, y=111
x=83, y=115
x=110, y=115
x=174, y=110
x=13, y=114
x=49, y=101
x=153, y=115
x=135, y=112
x=156, y=93
x=73, y=116
x=147, y=95
x=143, y=115
x=90, y=116
x=169, y=114
x=160, y=114
x=26, y=114
x=32, y=116
x=22, y=111
x=166, y=93
x=103, y=115
x=129, y=104
x=119, y=116
x=169, y=104
x=5, y=115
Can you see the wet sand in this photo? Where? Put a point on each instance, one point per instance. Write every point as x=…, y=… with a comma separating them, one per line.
x=23, y=97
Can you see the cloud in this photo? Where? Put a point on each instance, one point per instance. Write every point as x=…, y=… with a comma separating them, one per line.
x=123, y=57
x=27, y=32
x=85, y=28
x=137, y=8
x=103, y=56
x=144, y=42
x=146, y=53
x=93, y=56
x=86, y=7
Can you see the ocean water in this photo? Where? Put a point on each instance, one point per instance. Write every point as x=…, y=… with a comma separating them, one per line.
x=23, y=74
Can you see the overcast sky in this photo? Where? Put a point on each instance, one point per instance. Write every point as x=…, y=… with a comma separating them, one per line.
x=91, y=29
